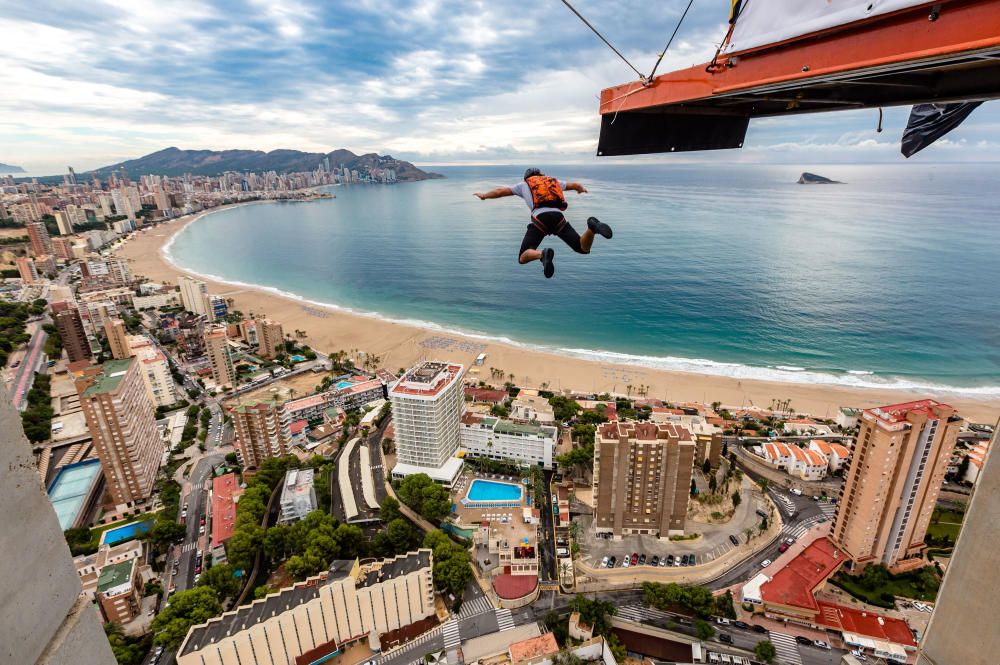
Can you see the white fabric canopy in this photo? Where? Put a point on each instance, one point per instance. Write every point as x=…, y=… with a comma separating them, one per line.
x=769, y=21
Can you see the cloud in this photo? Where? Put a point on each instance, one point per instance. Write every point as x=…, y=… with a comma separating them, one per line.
x=429, y=80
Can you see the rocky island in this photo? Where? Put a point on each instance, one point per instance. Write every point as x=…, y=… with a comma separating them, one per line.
x=812, y=179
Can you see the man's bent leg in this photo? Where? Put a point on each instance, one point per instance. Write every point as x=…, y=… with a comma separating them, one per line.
x=529, y=245
x=579, y=244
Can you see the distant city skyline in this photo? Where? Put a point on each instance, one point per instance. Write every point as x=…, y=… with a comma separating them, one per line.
x=427, y=81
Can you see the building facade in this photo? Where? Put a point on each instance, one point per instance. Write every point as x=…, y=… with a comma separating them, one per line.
x=117, y=336
x=271, y=338
x=642, y=478
x=221, y=361
x=119, y=592
x=26, y=269
x=313, y=620
x=258, y=432
x=899, y=461
x=120, y=417
x=38, y=237
x=160, y=385
x=526, y=444
x=193, y=292
x=427, y=405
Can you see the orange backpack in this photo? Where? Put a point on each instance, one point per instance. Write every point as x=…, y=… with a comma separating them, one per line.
x=546, y=192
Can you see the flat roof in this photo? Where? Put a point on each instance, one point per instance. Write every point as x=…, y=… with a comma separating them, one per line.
x=115, y=575
x=851, y=620
x=225, y=491
x=795, y=584
x=895, y=413
x=112, y=373
x=533, y=647
x=427, y=379
x=643, y=431
x=512, y=587
x=69, y=490
x=445, y=473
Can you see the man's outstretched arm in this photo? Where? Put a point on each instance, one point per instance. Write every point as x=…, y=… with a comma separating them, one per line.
x=497, y=193
x=576, y=187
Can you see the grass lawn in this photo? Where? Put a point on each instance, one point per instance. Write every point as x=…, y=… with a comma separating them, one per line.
x=945, y=523
x=940, y=530
x=899, y=587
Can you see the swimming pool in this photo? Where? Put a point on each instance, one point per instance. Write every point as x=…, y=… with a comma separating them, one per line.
x=71, y=489
x=343, y=384
x=297, y=358
x=489, y=491
x=112, y=536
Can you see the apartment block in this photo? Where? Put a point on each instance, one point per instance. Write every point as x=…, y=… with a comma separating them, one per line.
x=526, y=444
x=26, y=269
x=217, y=349
x=899, y=461
x=114, y=330
x=258, y=432
x=38, y=237
x=74, y=337
x=271, y=338
x=160, y=385
x=427, y=404
x=119, y=591
x=315, y=619
x=193, y=292
x=298, y=497
x=120, y=417
x=642, y=478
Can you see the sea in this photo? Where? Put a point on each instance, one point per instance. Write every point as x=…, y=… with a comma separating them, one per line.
x=889, y=280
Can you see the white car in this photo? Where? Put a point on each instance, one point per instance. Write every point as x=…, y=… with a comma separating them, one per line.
x=765, y=563
x=820, y=644
x=859, y=656
x=796, y=491
x=604, y=562
x=722, y=621
x=625, y=563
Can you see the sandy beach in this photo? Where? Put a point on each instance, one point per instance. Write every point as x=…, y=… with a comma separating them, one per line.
x=398, y=345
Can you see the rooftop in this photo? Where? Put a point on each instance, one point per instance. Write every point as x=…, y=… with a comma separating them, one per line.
x=307, y=402
x=512, y=587
x=109, y=378
x=297, y=481
x=896, y=413
x=115, y=575
x=487, y=394
x=643, y=431
x=403, y=564
x=795, y=584
x=225, y=491
x=255, y=405
x=533, y=647
x=850, y=620
x=427, y=379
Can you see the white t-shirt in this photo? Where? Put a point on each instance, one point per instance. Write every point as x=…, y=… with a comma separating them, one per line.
x=521, y=189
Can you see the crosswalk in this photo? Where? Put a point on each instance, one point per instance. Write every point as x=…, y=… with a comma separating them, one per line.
x=504, y=620
x=189, y=546
x=412, y=644
x=641, y=614
x=475, y=607
x=452, y=636
x=786, y=648
x=785, y=502
x=828, y=509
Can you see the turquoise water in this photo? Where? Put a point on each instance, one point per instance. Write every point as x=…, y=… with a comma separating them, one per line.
x=487, y=490
x=112, y=536
x=297, y=358
x=733, y=270
x=70, y=488
x=343, y=384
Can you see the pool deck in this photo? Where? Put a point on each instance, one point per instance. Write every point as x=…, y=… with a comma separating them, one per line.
x=479, y=482
x=472, y=515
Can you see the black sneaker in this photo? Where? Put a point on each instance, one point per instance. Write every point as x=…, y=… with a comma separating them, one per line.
x=599, y=227
x=548, y=267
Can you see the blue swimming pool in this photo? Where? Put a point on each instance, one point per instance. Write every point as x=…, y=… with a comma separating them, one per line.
x=112, y=536
x=488, y=490
x=343, y=384
x=71, y=490
x=297, y=358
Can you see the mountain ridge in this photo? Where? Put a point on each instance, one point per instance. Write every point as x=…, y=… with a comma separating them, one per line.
x=174, y=161
x=10, y=168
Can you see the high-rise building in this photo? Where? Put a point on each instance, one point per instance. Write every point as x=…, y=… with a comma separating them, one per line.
x=117, y=338
x=216, y=308
x=526, y=444
x=642, y=478
x=896, y=469
x=160, y=386
x=26, y=269
x=63, y=247
x=193, y=292
x=217, y=349
x=74, y=337
x=427, y=404
x=38, y=236
x=271, y=337
x=45, y=619
x=959, y=631
x=63, y=222
x=258, y=432
x=120, y=417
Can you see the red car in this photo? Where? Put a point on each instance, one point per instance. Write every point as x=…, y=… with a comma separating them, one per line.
x=635, y=559
x=782, y=547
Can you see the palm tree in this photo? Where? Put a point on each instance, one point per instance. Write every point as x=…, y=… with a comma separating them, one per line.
x=749, y=533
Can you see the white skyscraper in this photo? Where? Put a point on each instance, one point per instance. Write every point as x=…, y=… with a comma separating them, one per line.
x=427, y=404
x=193, y=292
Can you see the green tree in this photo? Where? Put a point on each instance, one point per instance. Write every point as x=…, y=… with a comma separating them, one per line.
x=563, y=408
x=452, y=566
x=389, y=510
x=765, y=651
x=963, y=468
x=425, y=496
x=874, y=576
x=703, y=629
x=187, y=608
x=222, y=579
x=595, y=613
x=713, y=484
x=165, y=532
x=694, y=487
x=127, y=650
x=737, y=499
x=706, y=466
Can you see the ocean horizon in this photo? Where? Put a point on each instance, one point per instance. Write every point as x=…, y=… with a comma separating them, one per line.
x=882, y=282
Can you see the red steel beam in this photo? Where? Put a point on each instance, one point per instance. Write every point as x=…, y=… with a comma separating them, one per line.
x=962, y=26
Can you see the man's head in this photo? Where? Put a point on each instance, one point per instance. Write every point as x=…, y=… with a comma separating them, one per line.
x=531, y=172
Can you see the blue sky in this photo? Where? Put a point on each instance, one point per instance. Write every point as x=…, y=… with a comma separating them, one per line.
x=432, y=81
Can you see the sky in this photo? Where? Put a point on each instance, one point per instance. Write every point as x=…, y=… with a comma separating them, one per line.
x=433, y=81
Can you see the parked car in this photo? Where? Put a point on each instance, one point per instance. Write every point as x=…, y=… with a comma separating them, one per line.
x=604, y=562
x=670, y=559
x=803, y=640
x=820, y=644
x=765, y=563
x=783, y=547
x=642, y=559
x=734, y=540
x=741, y=624
x=625, y=562
x=693, y=559
x=858, y=655
x=722, y=621
x=612, y=561
x=796, y=491
x=635, y=559
x=726, y=638
x=757, y=628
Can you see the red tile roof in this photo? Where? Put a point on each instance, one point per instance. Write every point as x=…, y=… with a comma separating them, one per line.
x=533, y=647
x=895, y=413
x=512, y=587
x=297, y=426
x=795, y=584
x=869, y=624
x=225, y=491
x=487, y=395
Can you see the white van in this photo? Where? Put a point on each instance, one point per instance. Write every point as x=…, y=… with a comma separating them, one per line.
x=562, y=551
x=796, y=491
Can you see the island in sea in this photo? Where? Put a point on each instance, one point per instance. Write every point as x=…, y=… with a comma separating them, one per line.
x=177, y=162
x=812, y=179
x=10, y=168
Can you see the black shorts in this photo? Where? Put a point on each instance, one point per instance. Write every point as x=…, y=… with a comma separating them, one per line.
x=550, y=224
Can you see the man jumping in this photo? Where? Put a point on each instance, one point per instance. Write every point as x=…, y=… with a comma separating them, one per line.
x=544, y=196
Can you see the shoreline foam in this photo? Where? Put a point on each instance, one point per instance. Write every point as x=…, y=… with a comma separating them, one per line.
x=331, y=327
